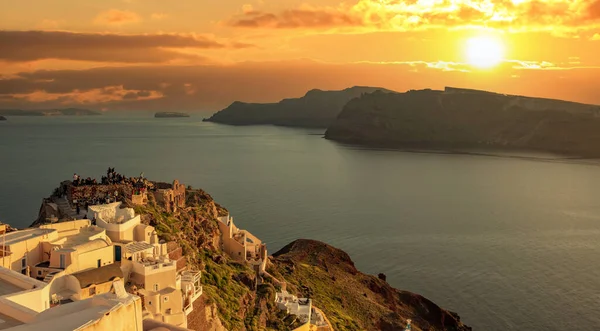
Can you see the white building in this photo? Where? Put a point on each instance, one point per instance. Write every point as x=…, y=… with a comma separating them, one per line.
x=301, y=307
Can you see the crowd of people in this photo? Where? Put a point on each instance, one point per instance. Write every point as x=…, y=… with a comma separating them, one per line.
x=139, y=185
x=78, y=181
x=112, y=177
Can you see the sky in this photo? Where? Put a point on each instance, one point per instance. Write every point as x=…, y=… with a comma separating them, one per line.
x=202, y=55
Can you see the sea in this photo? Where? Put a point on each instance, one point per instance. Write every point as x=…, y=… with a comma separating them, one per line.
x=508, y=242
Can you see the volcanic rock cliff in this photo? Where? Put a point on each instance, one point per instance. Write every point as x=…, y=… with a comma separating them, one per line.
x=460, y=119
x=351, y=299
x=315, y=109
x=235, y=298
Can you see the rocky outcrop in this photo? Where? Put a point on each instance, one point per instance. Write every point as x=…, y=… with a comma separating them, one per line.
x=351, y=299
x=315, y=109
x=463, y=120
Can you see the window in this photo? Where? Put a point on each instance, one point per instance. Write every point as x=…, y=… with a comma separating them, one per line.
x=39, y=272
x=166, y=299
x=62, y=261
x=24, y=263
x=99, y=262
x=150, y=303
x=92, y=291
x=155, y=287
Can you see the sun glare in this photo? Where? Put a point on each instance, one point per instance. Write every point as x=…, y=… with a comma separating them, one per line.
x=484, y=52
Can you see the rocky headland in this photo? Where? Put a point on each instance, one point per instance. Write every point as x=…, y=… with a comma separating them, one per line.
x=170, y=115
x=49, y=112
x=316, y=108
x=236, y=296
x=463, y=120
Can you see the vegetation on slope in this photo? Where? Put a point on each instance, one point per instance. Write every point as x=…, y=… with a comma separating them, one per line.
x=227, y=284
x=353, y=300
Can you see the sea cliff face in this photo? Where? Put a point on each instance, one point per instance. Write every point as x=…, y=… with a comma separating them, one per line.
x=315, y=109
x=459, y=119
x=351, y=299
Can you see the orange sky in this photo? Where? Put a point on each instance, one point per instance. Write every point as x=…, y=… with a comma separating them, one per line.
x=204, y=54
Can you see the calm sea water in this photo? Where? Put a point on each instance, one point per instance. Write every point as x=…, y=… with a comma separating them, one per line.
x=509, y=244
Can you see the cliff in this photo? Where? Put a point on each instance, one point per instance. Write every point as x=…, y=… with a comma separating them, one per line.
x=351, y=299
x=49, y=112
x=170, y=115
x=463, y=120
x=315, y=109
x=235, y=298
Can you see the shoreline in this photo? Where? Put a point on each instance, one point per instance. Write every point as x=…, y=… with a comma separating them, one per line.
x=508, y=153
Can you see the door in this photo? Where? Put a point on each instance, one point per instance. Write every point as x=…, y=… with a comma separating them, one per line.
x=62, y=261
x=117, y=253
x=99, y=263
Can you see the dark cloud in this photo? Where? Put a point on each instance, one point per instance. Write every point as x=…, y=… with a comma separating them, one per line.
x=296, y=18
x=209, y=88
x=20, y=46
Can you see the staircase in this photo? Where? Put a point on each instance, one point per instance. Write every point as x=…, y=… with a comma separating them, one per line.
x=65, y=208
x=50, y=276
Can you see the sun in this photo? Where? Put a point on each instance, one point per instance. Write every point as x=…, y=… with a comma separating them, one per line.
x=484, y=52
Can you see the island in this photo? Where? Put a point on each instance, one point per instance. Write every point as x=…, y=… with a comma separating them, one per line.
x=170, y=115
x=2, y=118
x=465, y=120
x=49, y=112
x=316, y=109
x=166, y=255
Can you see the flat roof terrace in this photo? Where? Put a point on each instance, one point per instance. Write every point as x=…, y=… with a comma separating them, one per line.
x=14, y=237
x=84, y=236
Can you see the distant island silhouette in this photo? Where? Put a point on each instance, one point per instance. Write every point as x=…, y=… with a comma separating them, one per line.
x=463, y=119
x=316, y=108
x=170, y=115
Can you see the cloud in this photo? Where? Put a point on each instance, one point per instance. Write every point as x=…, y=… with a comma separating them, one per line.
x=212, y=87
x=104, y=95
x=247, y=8
x=47, y=24
x=296, y=18
x=395, y=15
x=117, y=17
x=158, y=16
x=23, y=46
x=595, y=37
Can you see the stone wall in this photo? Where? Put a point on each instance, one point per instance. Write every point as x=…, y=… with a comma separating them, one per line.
x=171, y=196
x=175, y=253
